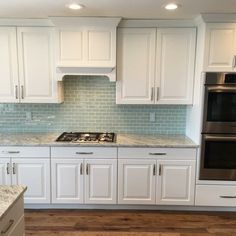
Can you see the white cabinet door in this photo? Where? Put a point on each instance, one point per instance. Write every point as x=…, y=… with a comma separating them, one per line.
x=70, y=47
x=136, y=181
x=67, y=180
x=35, y=174
x=135, y=66
x=175, y=53
x=101, y=181
x=36, y=65
x=176, y=182
x=87, y=47
x=220, y=48
x=5, y=171
x=9, y=89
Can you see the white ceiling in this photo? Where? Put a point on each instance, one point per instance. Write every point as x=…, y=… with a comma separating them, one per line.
x=150, y=9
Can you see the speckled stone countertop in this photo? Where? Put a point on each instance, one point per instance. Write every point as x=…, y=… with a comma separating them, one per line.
x=9, y=194
x=122, y=140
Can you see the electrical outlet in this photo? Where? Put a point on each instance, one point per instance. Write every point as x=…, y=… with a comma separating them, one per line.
x=152, y=117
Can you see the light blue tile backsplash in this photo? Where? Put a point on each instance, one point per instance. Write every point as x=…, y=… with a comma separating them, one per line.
x=90, y=106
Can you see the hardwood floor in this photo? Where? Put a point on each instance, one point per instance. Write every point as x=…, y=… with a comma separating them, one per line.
x=128, y=223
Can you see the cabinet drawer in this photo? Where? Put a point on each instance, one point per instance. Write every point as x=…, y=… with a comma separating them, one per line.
x=160, y=153
x=15, y=151
x=83, y=152
x=215, y=195
x=10, y=220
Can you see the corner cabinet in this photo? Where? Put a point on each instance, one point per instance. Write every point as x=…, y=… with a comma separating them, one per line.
x=28, y=166
x=220, y=47
x=155, y=66
x=30, y=51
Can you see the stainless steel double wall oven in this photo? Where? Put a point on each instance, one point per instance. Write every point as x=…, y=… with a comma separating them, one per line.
x=218, y=150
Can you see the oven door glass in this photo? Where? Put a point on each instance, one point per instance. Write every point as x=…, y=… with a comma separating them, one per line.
x=221, y=106
x=218, y=157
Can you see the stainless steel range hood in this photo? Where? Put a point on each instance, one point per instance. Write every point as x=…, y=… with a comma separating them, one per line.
x=85, y=46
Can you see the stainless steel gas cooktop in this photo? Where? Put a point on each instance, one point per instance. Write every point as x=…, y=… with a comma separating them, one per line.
x=80, y=137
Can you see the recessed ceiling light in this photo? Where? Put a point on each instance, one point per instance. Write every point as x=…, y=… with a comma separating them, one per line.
x=171, y=6
x=75, y=6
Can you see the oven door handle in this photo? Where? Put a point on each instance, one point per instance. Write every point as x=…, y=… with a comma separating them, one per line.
x=220, y=137
x=221, y=89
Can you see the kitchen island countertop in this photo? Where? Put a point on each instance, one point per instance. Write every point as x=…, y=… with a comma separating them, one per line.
x=9, y=194
x=122, y=140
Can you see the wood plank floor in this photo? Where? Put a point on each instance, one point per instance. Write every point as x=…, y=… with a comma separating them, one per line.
x=128, y=223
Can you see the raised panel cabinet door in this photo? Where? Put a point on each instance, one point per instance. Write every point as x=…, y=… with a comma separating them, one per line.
x=67, y=180
x=136, y=181
x=35, y=174
x=135, y=66
x=70, y=47
x=9, y=88
x=176, y=183
x=5, y=171
x=101, y=181
x=220, y=48
x=101, y=46
x=36, y=65
x=175, y=54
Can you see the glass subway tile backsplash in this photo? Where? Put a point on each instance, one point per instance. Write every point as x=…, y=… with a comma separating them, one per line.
x=90, y=106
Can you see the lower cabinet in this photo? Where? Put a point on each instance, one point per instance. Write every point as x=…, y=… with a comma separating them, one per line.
x=136, y=182
x=89, y=181
x=84, y=175
x=162, y=176
x=176, y=182
x=29, y=166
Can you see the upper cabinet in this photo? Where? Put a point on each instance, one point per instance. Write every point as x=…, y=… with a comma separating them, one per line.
x=220, y=47
x=86, y=46
x=155, y=66
x=136, y=65
x=28, y=75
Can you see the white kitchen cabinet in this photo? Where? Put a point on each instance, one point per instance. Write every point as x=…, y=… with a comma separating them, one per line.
x=28, y=166
x=176, y=182
x=36, y=65
x=90, y=171
x=175, y=57
x=136, y=181
x=86, y=46
x=220, y=47
x=67, y=181
x=155, y=66
x=162, y=176
x=135, y=65
x=35, y=174
x=5, y=171
x=101, y=181
x=8, y=65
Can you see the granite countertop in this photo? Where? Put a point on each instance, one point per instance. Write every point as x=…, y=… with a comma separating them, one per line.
x=9, y=194
x=122, y=140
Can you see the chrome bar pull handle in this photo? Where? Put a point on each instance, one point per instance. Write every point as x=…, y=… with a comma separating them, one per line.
x=234, y=62
x=225, y=196
x=14, y=169
x=157, y=96
x=11, y=152
x=160, y=170
x=81, y=169
x=87, y=169
x=10, y=223
x=16, y=92
x=152, y=93
x=154, y=169
x=22, y=92
x=8, y=168
x=157, y=153
x=84, y=153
